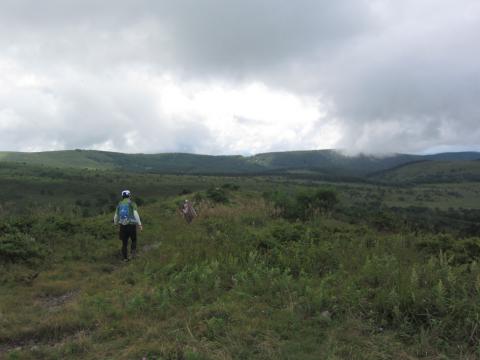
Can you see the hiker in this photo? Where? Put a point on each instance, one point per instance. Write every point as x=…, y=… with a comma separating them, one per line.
x=188, y=211
x=126, y=216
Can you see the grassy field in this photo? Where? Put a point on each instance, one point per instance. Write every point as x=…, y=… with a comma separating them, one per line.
x=433, y=172
x=273, y=268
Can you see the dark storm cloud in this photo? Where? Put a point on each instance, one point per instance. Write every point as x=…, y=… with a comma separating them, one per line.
x=392, y=76
x=209, y=35
x=412, y=87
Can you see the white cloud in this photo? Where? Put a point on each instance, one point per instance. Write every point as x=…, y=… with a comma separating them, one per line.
x=135, y=110
x=247, y=77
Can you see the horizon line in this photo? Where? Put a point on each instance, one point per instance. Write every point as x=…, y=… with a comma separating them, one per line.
x=343, y=152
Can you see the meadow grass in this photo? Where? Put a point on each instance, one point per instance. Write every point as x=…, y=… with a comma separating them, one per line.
x=240, y=282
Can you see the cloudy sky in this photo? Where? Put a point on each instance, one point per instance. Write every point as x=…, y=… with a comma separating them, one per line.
x=240, y=77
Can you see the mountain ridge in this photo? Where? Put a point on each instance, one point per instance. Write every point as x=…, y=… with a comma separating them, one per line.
x=317, y=161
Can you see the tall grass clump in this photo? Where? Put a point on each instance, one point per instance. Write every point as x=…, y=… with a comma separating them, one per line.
x=18, y=247
x=302, y=205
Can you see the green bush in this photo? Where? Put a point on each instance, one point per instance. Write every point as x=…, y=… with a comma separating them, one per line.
x=320, y=201
x=198, y=198
x=303, y=205
x=463, y=250
x=230, y=186
x=217, y=195
x=286, y=232
x=284, y=205
x=18, y=247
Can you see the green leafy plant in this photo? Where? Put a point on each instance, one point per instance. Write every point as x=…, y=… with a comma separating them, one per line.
x=18, y=247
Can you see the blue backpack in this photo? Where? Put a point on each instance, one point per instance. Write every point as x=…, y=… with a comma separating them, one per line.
x=125, y=213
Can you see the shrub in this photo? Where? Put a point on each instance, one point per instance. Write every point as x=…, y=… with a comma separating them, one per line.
x=463, y=251
x=285, y=232
x=320, y=201
x=283, y=204
x=217, y=195
x=198, y=198
x=303, y=205
x=230, y=186
x=18, y=247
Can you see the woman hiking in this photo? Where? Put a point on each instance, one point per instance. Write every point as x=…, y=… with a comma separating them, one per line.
x=188, y=211
x=127, y=217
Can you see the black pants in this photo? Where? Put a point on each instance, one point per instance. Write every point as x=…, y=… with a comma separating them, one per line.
x=128, y=232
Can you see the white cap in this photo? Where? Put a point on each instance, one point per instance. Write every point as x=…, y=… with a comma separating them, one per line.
x=126, y=193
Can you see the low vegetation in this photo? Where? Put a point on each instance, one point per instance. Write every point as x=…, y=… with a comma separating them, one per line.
x=273, y=268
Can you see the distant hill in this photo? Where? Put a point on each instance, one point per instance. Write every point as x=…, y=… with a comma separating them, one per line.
x=330, y=161
x=163, y=163
x=70, y=158
x=321, y=162
x=432, y=171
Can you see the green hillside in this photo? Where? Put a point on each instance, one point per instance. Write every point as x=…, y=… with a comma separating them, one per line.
x=433, y=172
x=163, y=163
x=326, y=163
x=184, y=163
x=68, y=158
x=330, y=161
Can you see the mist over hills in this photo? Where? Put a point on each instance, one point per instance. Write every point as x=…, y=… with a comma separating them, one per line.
x=326, y=162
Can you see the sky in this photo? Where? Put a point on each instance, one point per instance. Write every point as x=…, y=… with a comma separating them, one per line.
x=240, y=77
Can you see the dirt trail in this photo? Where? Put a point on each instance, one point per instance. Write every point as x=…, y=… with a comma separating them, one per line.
x=55, y=304
x=33, y=344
